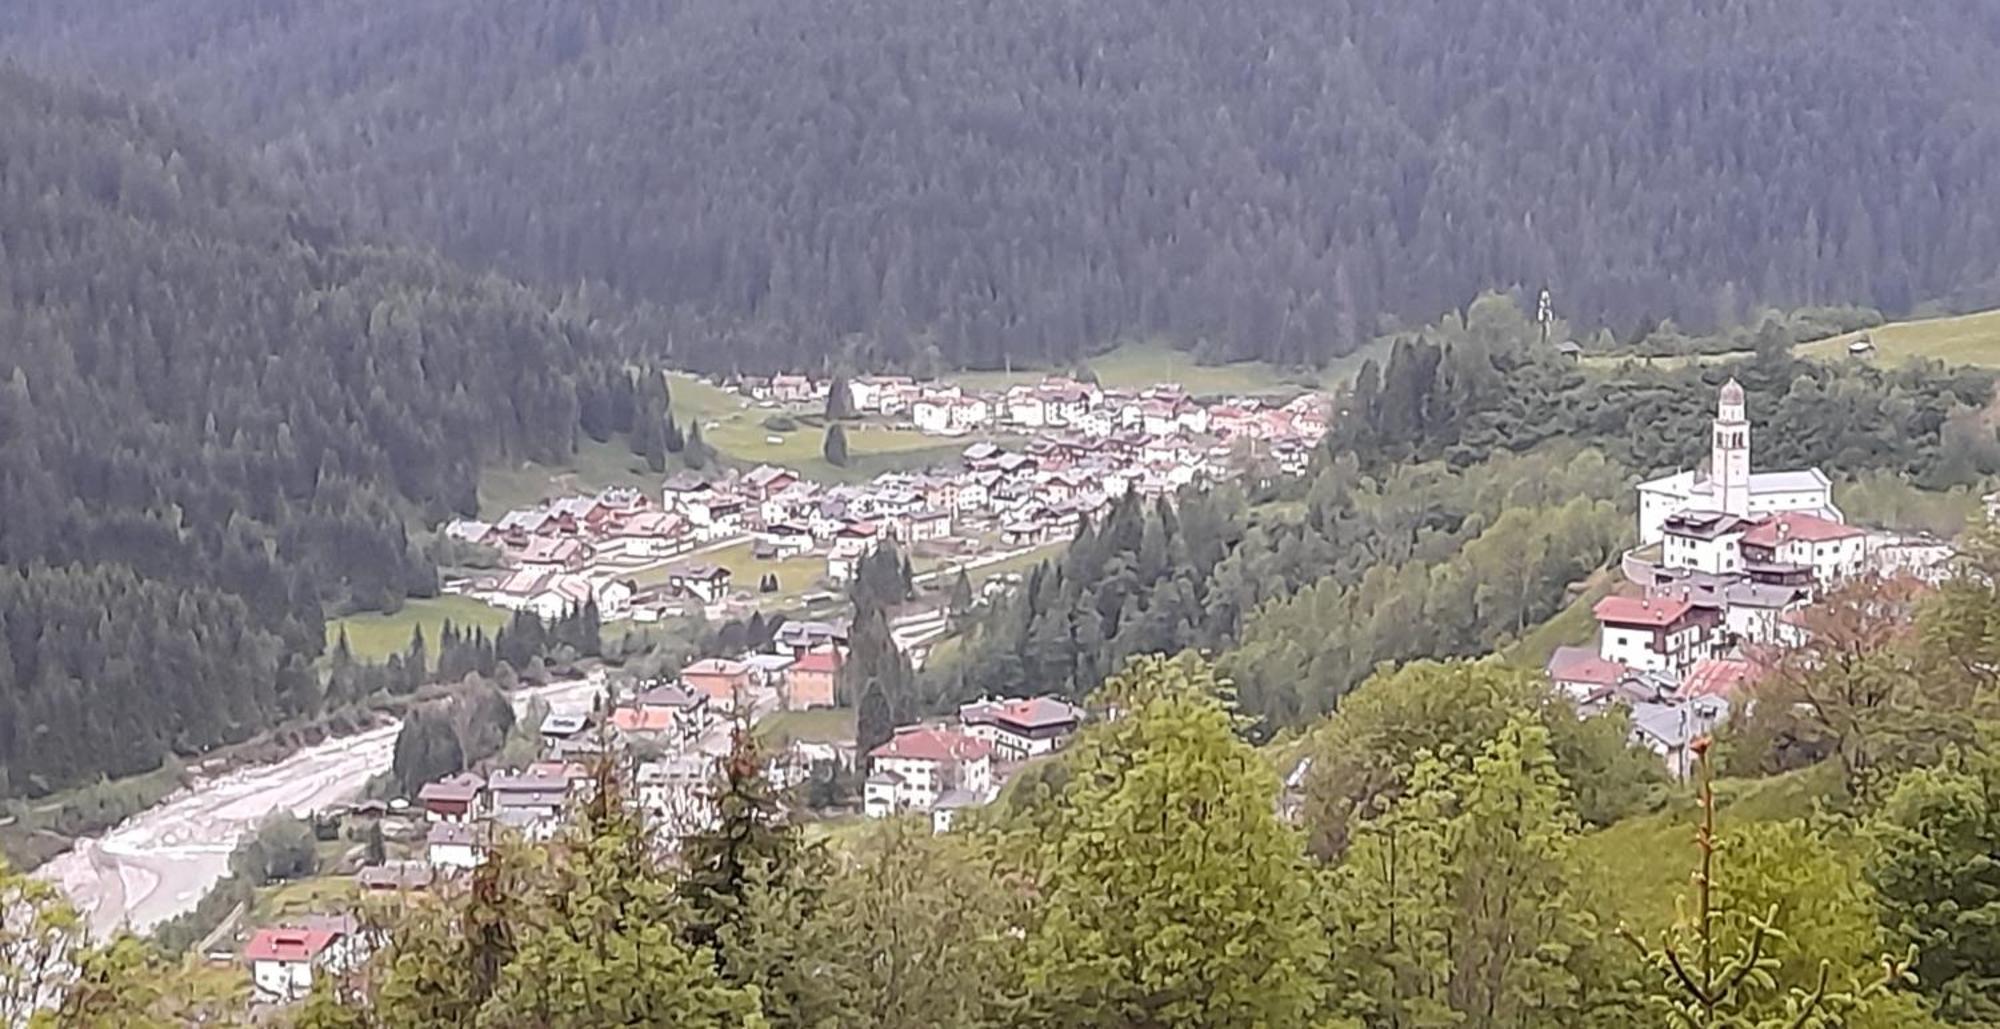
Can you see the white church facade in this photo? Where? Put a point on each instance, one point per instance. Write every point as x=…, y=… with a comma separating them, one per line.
x=1729, y=486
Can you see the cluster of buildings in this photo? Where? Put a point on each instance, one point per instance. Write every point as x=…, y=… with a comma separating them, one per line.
x=1728, y=557
x=1084, y=447
x=941, y=769
x=563, y=554
x=1079, y=448
x=1057, y=403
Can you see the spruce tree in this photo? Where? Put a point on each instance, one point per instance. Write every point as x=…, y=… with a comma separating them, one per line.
x=839, y=399
x=747, y=838
x=834, y=447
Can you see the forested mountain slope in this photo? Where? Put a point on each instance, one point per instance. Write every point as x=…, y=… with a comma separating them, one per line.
x=1018, y=178
x=216, y=418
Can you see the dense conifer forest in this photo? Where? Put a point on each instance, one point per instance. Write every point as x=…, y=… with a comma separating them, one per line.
x=218, y=418
x=908, y=182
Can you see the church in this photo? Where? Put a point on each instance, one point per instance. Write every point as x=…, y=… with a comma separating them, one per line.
x=1729, y=486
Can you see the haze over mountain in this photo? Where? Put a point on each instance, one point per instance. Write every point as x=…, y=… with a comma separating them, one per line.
x=972, y=182
x=217, y=417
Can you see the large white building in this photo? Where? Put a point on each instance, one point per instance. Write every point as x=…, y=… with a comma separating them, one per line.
x=1728, y=486
x=920, y=765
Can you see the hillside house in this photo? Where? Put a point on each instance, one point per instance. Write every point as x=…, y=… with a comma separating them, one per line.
x=719, y=679
x=561, y=554
x=787, y=539
x=800, y=637
x=921, y=764
x=530, y=802
x=1669, y=729
x=1660, y=634
x=812, y=681
x=1705, y=541
x=666, y=712
x=766, y=481
x=649, y=534
x=1581, y=673
x=1835, y=552
x=924, y=526
x=284, y=959
x=854, y=541
x=1021, y=729
x=452, y=799
x=983, y=456
x=560, y=596
x=455, y=846
x=791, y=389
x=698, y=579
x=396, y=877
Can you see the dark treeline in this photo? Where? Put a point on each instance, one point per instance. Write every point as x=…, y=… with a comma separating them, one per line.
x=217, y=418
x=1444, y=396
x=916, y=183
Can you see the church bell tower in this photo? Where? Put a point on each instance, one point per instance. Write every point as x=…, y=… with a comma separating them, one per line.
x=1729, y=456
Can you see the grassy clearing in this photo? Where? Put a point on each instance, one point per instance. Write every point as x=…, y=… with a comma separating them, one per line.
x=318, y=895
x=1966, y=339
x=827, y=725
x=374, y=636
x=596, y=466
x=1136, y=365
x=1668, y=361
x=1642, y=864
x=795, y=574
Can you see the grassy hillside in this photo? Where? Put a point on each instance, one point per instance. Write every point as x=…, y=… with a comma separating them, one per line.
x=1966, y=339
x=1642, y=864
x=373, y=636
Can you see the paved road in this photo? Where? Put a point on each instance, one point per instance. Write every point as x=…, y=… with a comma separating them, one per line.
x=159, y=862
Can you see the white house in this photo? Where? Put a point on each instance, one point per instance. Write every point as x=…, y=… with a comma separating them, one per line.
x=788, y=539
x=614, y=599
x=932, y=413
x=454, y=845
x=925, y=526
x=698, y=579
x=1026, y=408
x=560, y=596
x=1159, y=417
x=854, y=541
x=283, y=959
x=1021, y=729
x=689, y=497
x=1835, y=552
x=1729, y=486
x=1706, y=541
x=651, y=534
x=921, y=764
x=1655, y=634
x=1754, y=612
